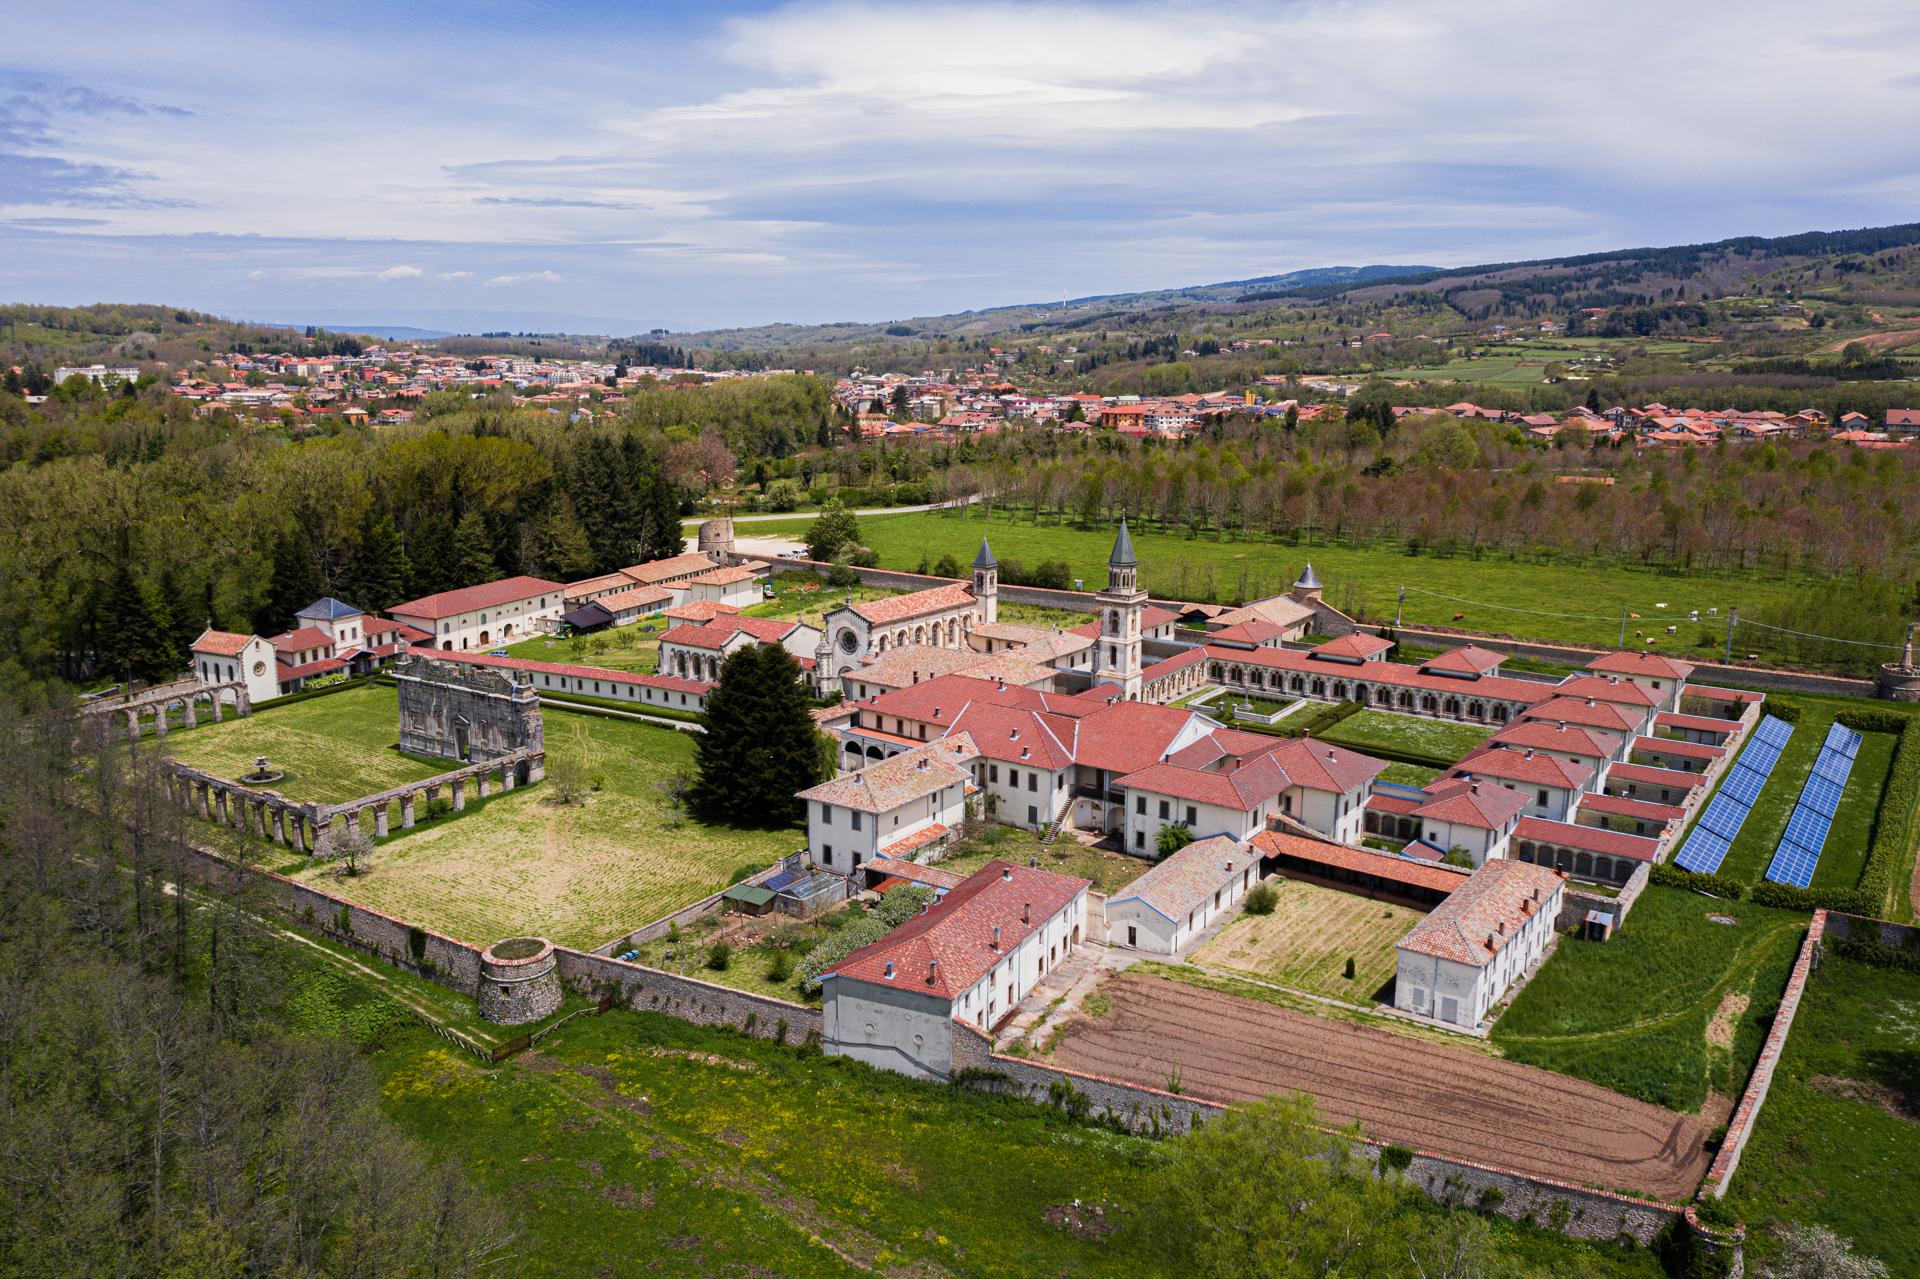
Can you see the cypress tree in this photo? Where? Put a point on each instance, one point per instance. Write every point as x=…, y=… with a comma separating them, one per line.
x=473, y=560
x=378, y=575
x=760, y=747
x=294, y=584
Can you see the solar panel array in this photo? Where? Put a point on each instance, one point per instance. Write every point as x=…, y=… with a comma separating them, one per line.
x=1806, y=834
x=1712, y=835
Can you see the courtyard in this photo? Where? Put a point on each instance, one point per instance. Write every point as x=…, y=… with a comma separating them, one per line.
x=1308, y=940
x=580, y=873
x=1387, y=734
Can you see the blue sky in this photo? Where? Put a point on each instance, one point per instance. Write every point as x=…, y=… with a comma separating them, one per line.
x=619, y=167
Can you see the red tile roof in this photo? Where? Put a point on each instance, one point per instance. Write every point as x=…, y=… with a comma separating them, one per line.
x=1535, y=768
x=693, y=610
x=1627, y=806
x=724, y=626
x=901, y=608
x=1480, y=917
x=301, y=640
x=221, y=643
x=1590, y=714
x=910, y=775
x=666, y=683
x=1592, y=839
x=1462, y=802
x=1606, y=689
x=1469, y=659
x=949, y=946
x=468, y=598
x=1669, y=777
x=1358, y=645
x=1696, y=723
x=1496, y=687
x=653, y=572
x=1545, y=735
x=1152, y=617
x=1678, y=749
x=325, y=666
x=1365, y=861
x=1643, y=664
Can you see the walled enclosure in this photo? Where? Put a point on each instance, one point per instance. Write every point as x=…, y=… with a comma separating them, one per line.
x=518, y=981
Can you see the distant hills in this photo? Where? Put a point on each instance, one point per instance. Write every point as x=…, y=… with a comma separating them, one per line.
x=386, y=332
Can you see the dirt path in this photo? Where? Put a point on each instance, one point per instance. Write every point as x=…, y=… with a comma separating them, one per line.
x=1889, y=340
x=1430, y=1096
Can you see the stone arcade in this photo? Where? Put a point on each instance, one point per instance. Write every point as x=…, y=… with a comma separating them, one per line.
x=458, y=711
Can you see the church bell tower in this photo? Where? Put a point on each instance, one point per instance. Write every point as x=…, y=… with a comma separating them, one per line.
x=1123, y=606
x=986, y=583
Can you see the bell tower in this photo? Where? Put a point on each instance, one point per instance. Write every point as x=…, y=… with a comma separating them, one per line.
x=986, y=582
x=1123, y=606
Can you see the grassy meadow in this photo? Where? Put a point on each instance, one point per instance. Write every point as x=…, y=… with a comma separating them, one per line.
x=1836, y=1138
x=515, y=863
x=1512, y=595
x=1673, y=1008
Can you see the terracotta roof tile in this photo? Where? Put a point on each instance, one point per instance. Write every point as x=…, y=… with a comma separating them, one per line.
x=468, y=598
x=221, y=643
x=1482, y=915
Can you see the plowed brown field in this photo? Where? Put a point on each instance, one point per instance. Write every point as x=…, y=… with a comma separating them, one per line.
x=1429, y=1096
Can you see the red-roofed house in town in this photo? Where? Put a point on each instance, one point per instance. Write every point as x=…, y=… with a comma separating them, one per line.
x=972, y=955
x=480, y=616
x=1461, y=960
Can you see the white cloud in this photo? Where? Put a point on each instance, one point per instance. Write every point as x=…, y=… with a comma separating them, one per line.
x=456, y=275
x=399, y=273
x=527, y=277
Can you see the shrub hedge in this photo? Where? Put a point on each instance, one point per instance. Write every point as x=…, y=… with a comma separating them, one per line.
x=1693, y=881
x=1782, y=709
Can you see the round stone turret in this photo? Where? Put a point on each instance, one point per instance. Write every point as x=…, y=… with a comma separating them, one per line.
x=716, y=539
x=519, y=981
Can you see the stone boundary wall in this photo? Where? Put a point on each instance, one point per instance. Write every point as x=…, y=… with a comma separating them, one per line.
x=688, y=998
x=1583, y=1213
x=1884, y=931
x=1747, y=1113
x=1576, y=902
x=895, y=580
x=443, y=960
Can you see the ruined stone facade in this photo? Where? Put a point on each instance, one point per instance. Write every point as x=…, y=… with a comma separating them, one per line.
x=459, y=711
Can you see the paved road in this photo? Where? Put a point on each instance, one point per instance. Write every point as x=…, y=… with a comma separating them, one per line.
x=865, y=510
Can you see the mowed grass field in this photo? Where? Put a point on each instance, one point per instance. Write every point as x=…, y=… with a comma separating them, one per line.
x=332, y=748
x=1305, y=944
x=1836, y=1139
x=1109, y=871
x=1675, y=1006
x=1174, y=565
x=579, y=874
x=1410, y=733
x=1845, y=853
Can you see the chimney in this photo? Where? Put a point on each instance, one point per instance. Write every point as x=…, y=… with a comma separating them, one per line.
x=889, y=970
x=1006, y=872
x=996, y=937
x=933, y=971
x=1473, y=787
x=1033, y=861
x=1529, y=754
x=936, y=712
x=1502, y=926
x=1026, y=912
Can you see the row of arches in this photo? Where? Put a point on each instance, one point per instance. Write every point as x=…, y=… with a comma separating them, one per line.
x=940, y=634
x=1577, y=862
x=1472, y=710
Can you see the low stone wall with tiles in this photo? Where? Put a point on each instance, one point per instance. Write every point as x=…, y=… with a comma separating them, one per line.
x=1747, y=1113
x=435, y=956
x=1576, y=1211
x=1883, y=931
x=687, y=998
x=1577, y=901
x=682, y=917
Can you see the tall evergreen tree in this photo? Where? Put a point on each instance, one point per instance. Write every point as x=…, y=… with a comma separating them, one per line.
x=134, y=629
x=761, y=746
x=660, y=536
x=377, y=576
x=294, y=584
x=473, y=560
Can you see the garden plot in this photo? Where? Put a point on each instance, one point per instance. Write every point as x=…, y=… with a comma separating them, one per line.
x=1306, y=943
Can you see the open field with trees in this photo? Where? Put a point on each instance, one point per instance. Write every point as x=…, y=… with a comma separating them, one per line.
x=1673, y=1009
x=1309, y=939
x=624, y=853
x=1836, y=1138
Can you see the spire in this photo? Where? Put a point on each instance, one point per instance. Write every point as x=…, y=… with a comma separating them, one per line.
x=985, y=558
x=1309, y=580
x=1122, y=556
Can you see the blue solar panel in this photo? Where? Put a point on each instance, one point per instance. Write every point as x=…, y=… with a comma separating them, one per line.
x=1703, y=852
x=1773, y=732
x=1723, y=816
x=1798, y=855
x=1742, y=787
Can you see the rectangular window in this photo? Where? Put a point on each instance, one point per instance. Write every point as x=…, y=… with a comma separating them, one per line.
x=1033, y=781
x=856, y=818
x=826, y=854
x=1140, y=805
x=1192, y=819
x=993, y=773
x=826, y=814
x=1543, y=798
x=1166, y=810
x=1139, y=839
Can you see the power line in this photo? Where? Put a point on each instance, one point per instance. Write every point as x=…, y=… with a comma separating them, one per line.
x=1534, y=612
x=1828, y=639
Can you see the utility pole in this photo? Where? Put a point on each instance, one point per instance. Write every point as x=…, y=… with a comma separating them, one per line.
x=1623, y=626
x=1398, y=608
x=1733, y=617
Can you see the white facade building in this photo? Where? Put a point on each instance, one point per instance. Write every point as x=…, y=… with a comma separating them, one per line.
x=1460, y=961
x=480, y=617
x=1182, y=896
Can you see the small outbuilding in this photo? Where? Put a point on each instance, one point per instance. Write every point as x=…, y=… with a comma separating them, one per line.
x=1182, y=895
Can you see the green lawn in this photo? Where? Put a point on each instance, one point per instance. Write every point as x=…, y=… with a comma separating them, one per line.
x=1837, y=1136
x=1308, y=940
x=518, y=863
x=1109, y=871
x=1176, y=566
x=620, y=648
x=1845, y=854
x=1673, y=1007
x=333, y=748
x=1408, y=774
x=1412, y=734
